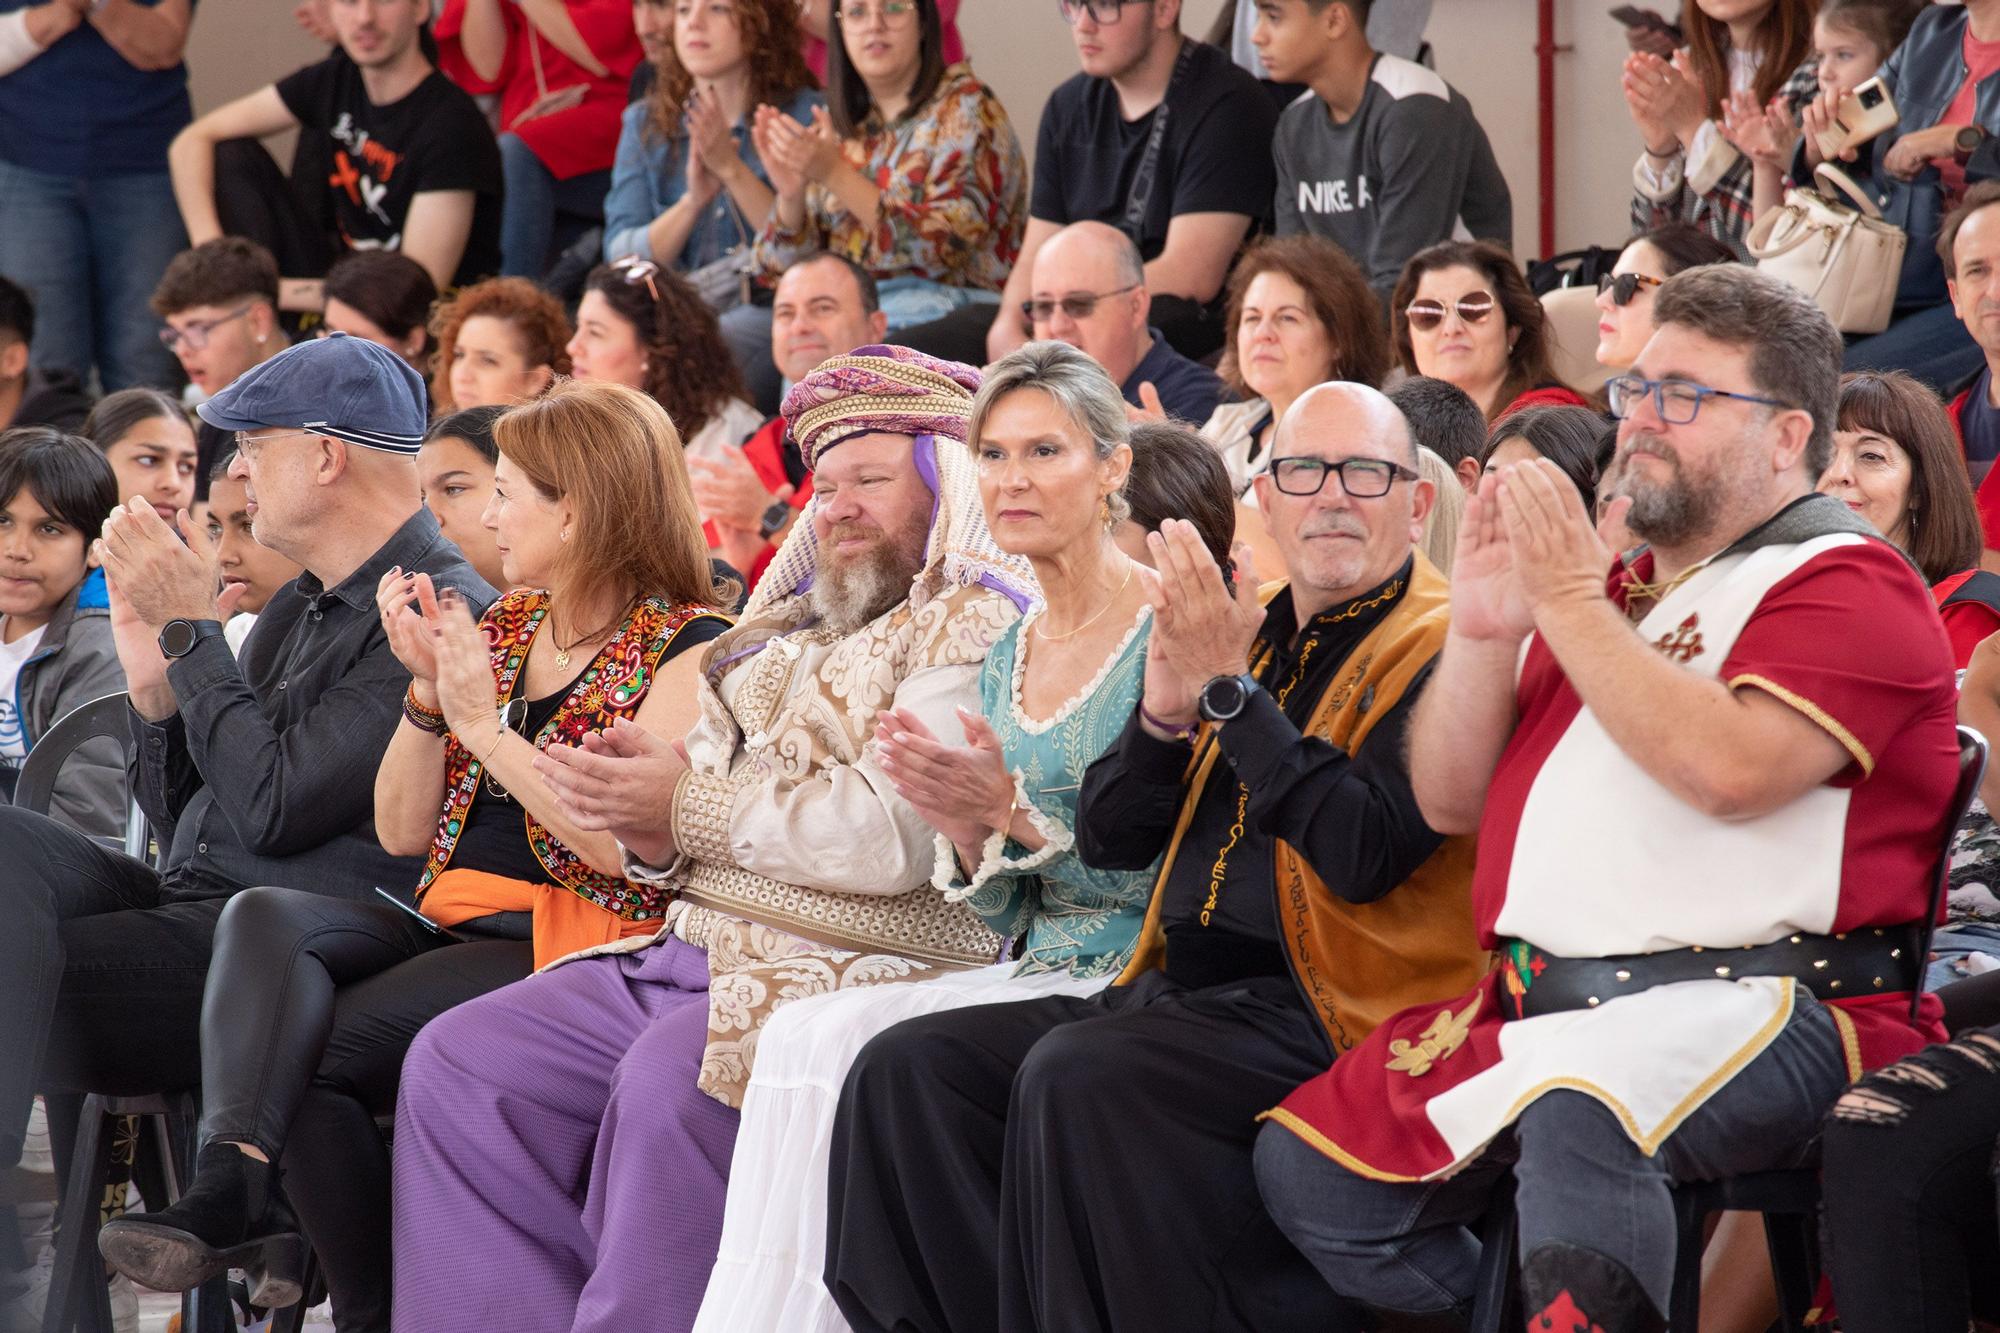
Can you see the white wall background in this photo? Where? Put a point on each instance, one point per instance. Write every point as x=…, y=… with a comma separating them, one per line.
x=1484, y=47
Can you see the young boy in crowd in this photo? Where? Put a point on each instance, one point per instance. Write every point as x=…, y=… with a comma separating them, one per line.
x=30, y=396
x=258, y=570
x=55, y=492
x=220, y=305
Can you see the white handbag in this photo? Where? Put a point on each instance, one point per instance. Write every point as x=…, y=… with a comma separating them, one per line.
x=1847, y=259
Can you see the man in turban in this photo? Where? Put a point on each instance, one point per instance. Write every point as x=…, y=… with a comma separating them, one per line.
x=574, y=1130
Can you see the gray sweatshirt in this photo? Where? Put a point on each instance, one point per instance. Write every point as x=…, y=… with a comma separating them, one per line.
x=1410, y=168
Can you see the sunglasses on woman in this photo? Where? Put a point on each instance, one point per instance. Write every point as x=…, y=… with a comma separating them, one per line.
x=1624, y=286
x=1427, y=314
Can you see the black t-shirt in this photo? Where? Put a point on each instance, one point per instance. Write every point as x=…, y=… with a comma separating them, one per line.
x=1214, y=158
x=382, y=157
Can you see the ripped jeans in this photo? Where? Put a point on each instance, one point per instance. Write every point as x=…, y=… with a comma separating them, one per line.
x=1913, y=1245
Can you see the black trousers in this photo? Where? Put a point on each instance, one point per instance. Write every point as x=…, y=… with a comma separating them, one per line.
x=312, y=1003
x=256, y=200
x=1913, y=1245
x=101, y=971
x=1073, y=1164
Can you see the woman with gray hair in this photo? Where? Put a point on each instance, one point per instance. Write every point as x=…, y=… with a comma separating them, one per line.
x=1055, y=456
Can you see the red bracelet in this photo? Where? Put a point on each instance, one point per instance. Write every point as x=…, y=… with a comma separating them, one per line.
x=1161, y=724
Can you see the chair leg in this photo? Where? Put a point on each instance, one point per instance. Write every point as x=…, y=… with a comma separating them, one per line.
x=1496, y=1304
x=77, y=1296
x=1684, y=1302
x=1789, y=1238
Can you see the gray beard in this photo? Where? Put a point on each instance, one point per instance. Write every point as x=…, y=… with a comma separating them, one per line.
x=851, y=599
x=1674, y=513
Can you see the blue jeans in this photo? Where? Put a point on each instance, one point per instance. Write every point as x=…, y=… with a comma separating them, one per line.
x=90, y=251
x=529, y=217
x=1578, y=1179
x=1930, y=344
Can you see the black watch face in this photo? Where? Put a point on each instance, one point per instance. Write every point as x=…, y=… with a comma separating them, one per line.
x=1222, y=699
x=177, y=638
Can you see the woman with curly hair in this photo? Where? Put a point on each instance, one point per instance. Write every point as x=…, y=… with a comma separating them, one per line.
x=499, y=343
x=642, y=325
x=1462, y=312
x=1300, y=313
x=688, y=186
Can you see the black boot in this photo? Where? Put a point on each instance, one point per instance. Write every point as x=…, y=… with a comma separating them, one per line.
x=1571, y=1289
x=232, y=1216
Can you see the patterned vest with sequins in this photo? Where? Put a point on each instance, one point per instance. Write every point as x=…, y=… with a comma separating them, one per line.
x=611, y=687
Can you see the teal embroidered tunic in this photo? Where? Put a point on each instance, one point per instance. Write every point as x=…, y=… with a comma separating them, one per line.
x=1076, y=919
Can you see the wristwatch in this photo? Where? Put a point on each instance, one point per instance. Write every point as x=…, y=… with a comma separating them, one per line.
x=178, y=637
x=775, y=516
x=1966, y=142
x=1224, y=698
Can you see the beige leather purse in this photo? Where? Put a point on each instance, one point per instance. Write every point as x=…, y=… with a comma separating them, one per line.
x=1847, y=259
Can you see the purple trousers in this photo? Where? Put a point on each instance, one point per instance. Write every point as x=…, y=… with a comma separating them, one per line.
x=556, y=1167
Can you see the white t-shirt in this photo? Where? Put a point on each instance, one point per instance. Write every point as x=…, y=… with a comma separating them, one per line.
x=13, y=736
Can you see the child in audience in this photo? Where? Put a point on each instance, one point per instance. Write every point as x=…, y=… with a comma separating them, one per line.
x=1567, y=436
x=55, y=492
x=145, y=436
x=240, y=559
x=384, y=297
x=911, y=169
x=499, y=342
x=219, y=302
x=1690, y=171
x=642, y=325
x=1851, y=39
x=455, y=468
x=32, y=395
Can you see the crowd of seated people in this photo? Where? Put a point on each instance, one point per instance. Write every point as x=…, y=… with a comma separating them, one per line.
x=1125, y=741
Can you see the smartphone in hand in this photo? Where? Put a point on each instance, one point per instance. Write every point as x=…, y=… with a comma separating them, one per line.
x=1861, y=115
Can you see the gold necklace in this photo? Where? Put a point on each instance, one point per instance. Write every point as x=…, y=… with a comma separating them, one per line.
x=563, y=650
x=1109, y=603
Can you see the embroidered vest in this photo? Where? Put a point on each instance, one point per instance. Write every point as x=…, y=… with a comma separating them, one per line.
x=1359, y=963
x=611, y=687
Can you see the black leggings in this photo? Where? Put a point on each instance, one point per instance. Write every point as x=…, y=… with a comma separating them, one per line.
x=1913, y=1245
x=310, y=1005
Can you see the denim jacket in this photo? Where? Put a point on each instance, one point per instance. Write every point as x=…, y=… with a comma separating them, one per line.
x=1924, y=74
x=650, y=176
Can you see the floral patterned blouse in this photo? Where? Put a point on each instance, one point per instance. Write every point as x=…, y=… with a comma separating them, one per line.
x=954, y=195
x=1074, y=918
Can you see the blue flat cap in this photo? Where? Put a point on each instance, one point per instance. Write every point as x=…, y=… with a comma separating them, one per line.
x=339, y=385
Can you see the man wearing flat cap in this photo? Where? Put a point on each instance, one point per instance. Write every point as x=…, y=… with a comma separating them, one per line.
x=252, y=772
x=574, y=1130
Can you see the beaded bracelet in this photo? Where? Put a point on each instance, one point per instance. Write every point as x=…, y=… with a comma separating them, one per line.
x=421, y=717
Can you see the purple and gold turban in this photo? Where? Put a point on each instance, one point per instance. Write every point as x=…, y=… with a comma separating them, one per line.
x=892, y=390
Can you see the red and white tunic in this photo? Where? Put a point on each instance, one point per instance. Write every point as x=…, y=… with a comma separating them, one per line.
x=1583, y=854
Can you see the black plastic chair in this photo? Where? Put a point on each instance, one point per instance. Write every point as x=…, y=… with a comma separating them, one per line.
x=1788, y=1200
x=77, y=1296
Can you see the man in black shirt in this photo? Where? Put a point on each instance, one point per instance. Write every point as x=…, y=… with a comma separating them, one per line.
x=252, y=772
x=391, y=156
x=1209, y=186
x=1086, y=1162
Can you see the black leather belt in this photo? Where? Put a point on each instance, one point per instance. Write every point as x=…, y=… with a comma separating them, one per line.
x=1872, y=961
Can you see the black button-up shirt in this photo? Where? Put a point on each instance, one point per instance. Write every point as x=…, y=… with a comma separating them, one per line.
x=1353, y=818
x=266, y=774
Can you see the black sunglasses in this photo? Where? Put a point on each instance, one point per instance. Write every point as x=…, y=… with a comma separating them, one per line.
x=1624, y=286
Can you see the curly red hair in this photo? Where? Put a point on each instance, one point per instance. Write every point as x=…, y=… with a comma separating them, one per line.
x=537, y=318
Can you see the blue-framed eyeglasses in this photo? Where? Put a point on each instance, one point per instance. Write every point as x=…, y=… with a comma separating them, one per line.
x=1678, y=402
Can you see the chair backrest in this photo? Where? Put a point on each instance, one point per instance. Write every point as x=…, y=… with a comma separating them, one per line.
x=1571, y=321
x=106, y=717
x=1972, y=751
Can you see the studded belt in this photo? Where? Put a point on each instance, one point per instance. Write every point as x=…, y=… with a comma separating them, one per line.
x=1871, y=961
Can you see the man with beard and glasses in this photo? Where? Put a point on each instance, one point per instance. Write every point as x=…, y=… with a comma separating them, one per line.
x=1709, y=791
x=574, y=1130
x=1300, y=901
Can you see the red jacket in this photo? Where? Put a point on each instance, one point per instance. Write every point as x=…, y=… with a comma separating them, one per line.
x=571, y=142
x=765, y=452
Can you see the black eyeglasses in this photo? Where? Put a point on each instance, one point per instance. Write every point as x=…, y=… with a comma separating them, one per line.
x=1678, y=402
x=1624, y=286
x=1100, y=11
x=1362, y=478
x=514, y=717
x=1077, y=305
x=1427, y=314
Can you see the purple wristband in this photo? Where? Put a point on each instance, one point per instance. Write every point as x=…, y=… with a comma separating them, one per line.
x=1161, y=724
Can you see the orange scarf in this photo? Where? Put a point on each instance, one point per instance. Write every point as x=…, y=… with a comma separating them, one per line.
x=564, y=923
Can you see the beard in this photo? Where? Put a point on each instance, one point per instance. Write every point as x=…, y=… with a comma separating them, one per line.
x=850, y=590
x=1676, y=511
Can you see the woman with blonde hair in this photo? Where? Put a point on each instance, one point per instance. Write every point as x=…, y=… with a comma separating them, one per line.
x=298, y=1059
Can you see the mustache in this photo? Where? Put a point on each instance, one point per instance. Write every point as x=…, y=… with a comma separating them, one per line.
x=1333, y=525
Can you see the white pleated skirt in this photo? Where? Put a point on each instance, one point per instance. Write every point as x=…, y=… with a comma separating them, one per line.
x=767, y=1276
